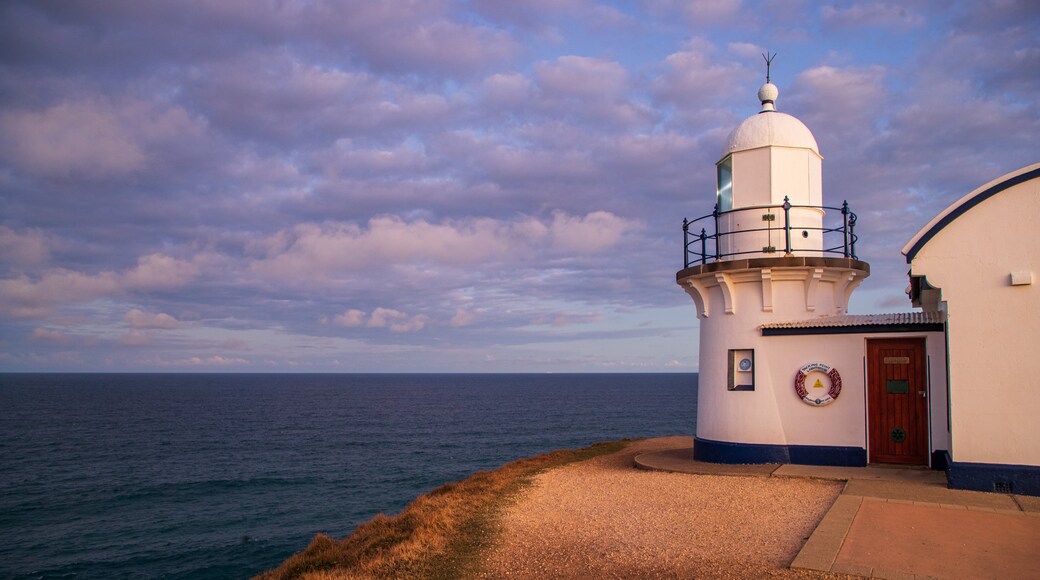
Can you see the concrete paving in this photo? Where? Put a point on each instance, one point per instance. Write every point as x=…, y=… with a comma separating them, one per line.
x=899, y=522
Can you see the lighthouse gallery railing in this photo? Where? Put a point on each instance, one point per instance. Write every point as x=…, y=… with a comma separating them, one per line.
x=694, y=242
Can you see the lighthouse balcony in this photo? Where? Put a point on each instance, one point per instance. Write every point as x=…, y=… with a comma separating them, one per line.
x=770, y=231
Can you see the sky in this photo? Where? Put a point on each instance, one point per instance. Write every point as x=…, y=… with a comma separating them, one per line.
x=452, y=186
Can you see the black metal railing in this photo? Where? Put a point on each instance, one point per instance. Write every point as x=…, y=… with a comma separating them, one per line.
x=846, y=230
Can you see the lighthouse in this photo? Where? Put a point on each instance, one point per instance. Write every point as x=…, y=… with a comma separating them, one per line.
x=787, y=375
x=770, y=252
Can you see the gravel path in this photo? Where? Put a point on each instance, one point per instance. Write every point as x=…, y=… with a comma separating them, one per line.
x=604, y=518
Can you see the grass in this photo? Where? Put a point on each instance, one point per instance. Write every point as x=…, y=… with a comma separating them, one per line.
x=441, y=534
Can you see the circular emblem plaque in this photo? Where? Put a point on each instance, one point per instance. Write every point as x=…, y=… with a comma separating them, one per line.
x=745, y=364
x=817, y=384
x=898, y=435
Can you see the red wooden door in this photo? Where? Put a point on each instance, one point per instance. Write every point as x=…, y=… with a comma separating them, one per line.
x=897, y=399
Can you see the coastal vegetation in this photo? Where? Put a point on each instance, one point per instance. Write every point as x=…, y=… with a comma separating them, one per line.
x=439, y=535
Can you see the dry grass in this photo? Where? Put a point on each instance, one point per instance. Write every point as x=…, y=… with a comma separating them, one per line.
x=439, y=535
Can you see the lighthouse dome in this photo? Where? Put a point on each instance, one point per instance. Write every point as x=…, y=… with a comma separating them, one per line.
x=769, y=128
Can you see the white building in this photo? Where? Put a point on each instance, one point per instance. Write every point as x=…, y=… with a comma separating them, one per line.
x=787, y=376
x=976, y=264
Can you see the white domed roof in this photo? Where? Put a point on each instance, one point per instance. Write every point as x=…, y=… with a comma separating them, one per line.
x=769, y=128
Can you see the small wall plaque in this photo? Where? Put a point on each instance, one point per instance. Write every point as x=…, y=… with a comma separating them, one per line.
x=897, y=387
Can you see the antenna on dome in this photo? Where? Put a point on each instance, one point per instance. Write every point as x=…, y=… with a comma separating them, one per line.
x=769, y=61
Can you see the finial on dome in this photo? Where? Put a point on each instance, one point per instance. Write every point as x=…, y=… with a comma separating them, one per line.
x=768, y=93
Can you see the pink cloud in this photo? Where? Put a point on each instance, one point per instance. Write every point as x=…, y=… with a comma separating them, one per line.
x=25, y=297
x=314, y=250
x=508, y=89
x=381, y=317
x=588, y=234
x=28, y=247
x=138, y=319
x=350, y=318
x=158, y=271
x=276, y=95
x=49, y=335
x=462, y=318
x=215, y=360
x=388, y=318
x=695, y=77
x=92, y=137
x=413, y=324
x=411, y=35
x=135, y=339
x=579, y=76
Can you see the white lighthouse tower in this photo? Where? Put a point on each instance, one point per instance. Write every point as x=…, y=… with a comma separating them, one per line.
x=765, y=256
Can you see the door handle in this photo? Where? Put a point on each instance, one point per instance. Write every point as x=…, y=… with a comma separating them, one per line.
x=923, y=394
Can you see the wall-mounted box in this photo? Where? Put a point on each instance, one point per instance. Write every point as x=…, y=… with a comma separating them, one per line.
x=1024, y=278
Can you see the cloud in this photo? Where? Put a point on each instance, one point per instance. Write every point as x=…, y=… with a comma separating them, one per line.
x=158, y=271
x=843, y=100
x=508, y=89
x=877, y=14
x=26, y=248
x=414, y=35
x=746, y=50
x=316, y=250
x=701, y=13
x=530, y=13
x=578, y=76
x=393, y=320
x=694, y=77
x=25, y=297
x=93, y=137
x=462, y=317
x=50, y=335
x=381, y=317
x=559, y=319
x=215, y=360
x=135, y=339
x=413, y=324
x=588, y=234
x=350, y=318
x=277, y=98
x=138, y=319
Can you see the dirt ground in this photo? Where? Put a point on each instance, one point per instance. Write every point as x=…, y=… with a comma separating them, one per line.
x=604, y=518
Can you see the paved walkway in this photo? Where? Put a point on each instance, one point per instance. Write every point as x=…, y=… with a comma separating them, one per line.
x=898, y=522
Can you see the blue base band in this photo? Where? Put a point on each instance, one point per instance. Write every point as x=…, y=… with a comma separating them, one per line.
x=1020, y=479
x=726, y=452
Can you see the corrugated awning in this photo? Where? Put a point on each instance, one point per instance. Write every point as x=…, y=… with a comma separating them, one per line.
x=849, y=323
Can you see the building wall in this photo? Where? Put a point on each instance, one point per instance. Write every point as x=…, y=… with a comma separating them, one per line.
x=773, y=414
x=993, y=326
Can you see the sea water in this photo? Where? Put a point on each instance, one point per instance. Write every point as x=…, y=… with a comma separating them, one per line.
x=226, y=475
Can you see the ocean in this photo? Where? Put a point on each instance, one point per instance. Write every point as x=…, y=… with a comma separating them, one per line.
x=226, y=475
